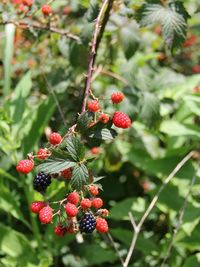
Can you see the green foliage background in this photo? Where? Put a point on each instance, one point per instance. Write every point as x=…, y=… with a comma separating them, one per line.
x=162, y=97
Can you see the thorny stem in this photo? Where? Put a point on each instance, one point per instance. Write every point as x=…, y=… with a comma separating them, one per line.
x=97, y=35
x=137, y=227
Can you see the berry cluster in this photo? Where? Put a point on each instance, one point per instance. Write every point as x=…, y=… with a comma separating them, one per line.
x=25, y=6
x=81, y=210
x=120, y=119
x=75, y=213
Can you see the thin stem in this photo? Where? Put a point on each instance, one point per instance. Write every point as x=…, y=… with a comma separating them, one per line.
x=97, y=35
x=26, y=25
x=115, y=247
x=137, y=228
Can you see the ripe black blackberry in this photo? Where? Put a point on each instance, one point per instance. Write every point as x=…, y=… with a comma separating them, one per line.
x=41, y=182
x=87, y=223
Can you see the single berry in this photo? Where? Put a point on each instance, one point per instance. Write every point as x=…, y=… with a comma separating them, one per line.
x=87, y=223
x=101, y=225
x=104, y=118
x=86, y=203
x=21, y=8
x=25, y=166
x=67, y=173
x=95, y=150
x=27, y=2
x=55, y=138
x=73, y=198
x=117, y=97
x=93, y=106
x=121, y=120
x=71, y=210
x=46, y=215
x=196, y=69
x=41, y=182
x=36, y=206
x=60, y=230
x=46, y=10
x=97, y=203
x=93, y=190
x=42, y=153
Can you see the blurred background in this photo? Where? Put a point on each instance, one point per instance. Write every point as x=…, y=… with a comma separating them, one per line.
x=41, y=86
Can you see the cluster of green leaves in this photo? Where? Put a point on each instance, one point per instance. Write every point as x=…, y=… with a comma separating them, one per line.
x=160, y=98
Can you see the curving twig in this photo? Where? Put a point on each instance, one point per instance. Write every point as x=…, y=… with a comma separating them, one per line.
x=36, y=25
x=137, y=227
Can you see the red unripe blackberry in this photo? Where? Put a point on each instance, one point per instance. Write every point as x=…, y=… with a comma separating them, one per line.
x=37, y=206
x=95, y=150
x=27, y=2
x=42, y=153
x=97, y=203
x=67, y=173
x=71, y=210
x=196, y=69
x=101, y=225
x=117, y=97
x=46, y=215
x=25, y=166
x=55, y=138
x=93, y=190
x=87, y=223
x=41, y=182
x=93, y=106
x=104, y=118
x=60, y=230
x=86, y=203
x=73, y=198
x=16, y=2
x=121, y=120
x=46, y=10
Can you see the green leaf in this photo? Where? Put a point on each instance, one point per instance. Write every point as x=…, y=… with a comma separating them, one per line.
x=174, y=128
x=150, y=109
x=104, y=134
x=172, y=17
x=80, y=177
x=18, y=100
x=75, y=148
x=55, y=166
x=84, y=121
x=130, y=40
x=192, y=261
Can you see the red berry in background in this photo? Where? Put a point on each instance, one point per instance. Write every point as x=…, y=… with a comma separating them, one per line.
x=196, y=69
x=73, y=198
x=21, y=8
x=42, y=153
x=71, y=210
x=97, y=203
x=27, y=2
x=55, y=138
x=117, y=97
x=191, y=40
x=95, y=150
x=46, y=10
x=60, y=230
x=86, y=203
x=93, y=106
x=36, y=206
x=16, y=2
x=94, y=190
x=46, y=215
x=25, y=166
x=104, y=118
x=101, y=225
x=121, y=120
x=67, y=173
